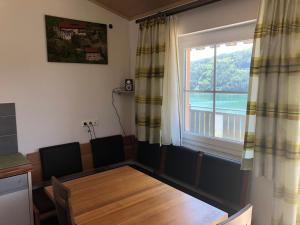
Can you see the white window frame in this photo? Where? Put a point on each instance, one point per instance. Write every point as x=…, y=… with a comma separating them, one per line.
x=220, y=147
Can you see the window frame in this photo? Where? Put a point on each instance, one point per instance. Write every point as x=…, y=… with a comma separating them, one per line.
x=220, y=147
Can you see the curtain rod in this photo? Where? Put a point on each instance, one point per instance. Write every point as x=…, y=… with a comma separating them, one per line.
x=179, y=9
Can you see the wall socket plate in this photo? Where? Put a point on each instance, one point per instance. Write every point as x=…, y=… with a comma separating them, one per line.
x=94, y=122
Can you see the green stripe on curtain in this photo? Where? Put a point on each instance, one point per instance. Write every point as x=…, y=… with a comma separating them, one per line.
x=148, y=122
x=150, y=50
x=272, y=137
x=149, y=79
x=288, y=27
x=149, y=72
x=148, y=100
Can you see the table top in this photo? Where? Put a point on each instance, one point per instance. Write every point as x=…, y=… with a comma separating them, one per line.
x=127, y=196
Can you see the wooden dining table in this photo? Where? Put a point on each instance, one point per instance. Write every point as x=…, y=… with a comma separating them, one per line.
x=127, y=196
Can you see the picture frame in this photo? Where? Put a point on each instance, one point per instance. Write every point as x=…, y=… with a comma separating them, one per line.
x=75, y=41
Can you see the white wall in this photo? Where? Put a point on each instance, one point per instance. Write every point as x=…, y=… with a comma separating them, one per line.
x=53, y=98
x=219, y=14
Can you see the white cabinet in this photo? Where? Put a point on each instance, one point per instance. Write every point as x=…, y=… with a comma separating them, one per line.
x=15, y=200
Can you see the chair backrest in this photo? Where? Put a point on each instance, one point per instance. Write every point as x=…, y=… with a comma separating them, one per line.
x=60, y=160
x=242, y=217
x=181, y=163
x=107, y=150
x=62, y=203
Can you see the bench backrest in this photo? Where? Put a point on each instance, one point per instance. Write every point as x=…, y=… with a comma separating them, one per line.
x=86, y=158
x=60, y=160
x=107, y=150
x=223, y=178
x=182, y=163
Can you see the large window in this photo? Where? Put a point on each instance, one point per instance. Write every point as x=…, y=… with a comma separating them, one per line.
x=216, y=89
x=215, y=94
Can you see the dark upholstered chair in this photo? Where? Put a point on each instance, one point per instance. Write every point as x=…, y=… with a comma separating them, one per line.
x=149, y=154
x=221, y=178
x=62, y=202
x=181, y=163
x=107, y=150
x=44, y=208
x=59, y=160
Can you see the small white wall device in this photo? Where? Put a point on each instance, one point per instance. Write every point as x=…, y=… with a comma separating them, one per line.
x=128, y=85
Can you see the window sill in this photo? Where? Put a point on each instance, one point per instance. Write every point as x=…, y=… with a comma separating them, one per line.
x=214, y=146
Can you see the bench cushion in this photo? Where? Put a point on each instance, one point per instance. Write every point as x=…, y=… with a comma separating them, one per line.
x=221, y=178
x=60, y=160
x=107, y=150
x=181, y=163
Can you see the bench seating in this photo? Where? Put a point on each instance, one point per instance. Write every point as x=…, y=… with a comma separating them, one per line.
x=219, y=182
x=216, y=181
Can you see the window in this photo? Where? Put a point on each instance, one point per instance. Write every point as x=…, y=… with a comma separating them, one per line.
x=216, y=75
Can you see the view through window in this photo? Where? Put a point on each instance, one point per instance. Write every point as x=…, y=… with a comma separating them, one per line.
x=216, y=87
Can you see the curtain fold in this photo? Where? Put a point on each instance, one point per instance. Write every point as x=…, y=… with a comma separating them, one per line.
x=157, y=82
x=149, y=79
x=171, y=103
x=272, y=137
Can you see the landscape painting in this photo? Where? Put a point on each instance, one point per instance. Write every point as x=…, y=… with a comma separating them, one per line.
x=74, y=41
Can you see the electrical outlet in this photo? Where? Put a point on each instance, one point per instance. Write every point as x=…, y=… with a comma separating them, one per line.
x=84, y=122
x=94, y=122
x=88, y=122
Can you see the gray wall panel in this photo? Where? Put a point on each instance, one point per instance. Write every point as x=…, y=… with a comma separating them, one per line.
x=8, y=125
x=8, y=144
x=7, y=109
x=8, y=129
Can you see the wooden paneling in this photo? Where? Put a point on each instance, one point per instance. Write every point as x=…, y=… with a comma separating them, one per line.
x=141, y=7
x=36, y=173
x=127, y=196
x=86, y=156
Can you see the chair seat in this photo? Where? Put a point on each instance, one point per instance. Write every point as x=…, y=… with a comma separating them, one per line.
x=41, y=201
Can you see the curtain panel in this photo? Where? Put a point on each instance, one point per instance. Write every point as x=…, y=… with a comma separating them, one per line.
x=171, y=104
x=272, y=137
x=149, y=79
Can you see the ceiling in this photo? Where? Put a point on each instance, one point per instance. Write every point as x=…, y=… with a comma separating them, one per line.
x=134, y=9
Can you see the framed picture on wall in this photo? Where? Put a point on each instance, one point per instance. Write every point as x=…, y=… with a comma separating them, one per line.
x=74, y=41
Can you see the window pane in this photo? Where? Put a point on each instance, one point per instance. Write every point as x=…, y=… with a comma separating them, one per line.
x=200, y=68
x=230, y=116
x=199, y=113
x=233, y=66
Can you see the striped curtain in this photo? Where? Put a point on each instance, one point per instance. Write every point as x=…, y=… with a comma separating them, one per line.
x=149, y=79
x=272, y=138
